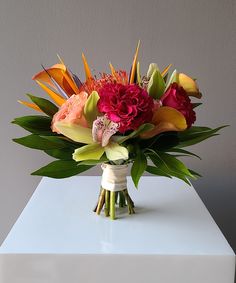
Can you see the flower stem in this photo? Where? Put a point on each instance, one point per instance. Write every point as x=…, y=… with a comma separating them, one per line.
x=101, y=201
x=107, y=203
x=112, y=205
x=129, y=202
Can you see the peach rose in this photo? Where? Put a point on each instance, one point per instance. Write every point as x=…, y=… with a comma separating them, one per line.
x=71, y=111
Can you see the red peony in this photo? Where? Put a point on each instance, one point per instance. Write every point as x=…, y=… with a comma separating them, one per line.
x=128, y=105
x=176, y=97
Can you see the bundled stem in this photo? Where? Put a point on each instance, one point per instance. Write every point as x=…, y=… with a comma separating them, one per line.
x=109, y=199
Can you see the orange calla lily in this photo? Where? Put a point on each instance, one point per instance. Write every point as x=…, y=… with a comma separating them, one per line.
x=62, y=77
x=189, y=85
x=166, y=119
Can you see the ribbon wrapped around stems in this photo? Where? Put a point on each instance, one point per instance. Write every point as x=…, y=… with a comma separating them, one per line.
x=114, y=177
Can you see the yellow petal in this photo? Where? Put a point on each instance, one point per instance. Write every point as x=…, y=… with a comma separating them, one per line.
x=30, y=105
x=189, y=85
x=114, y=151
x=59, y=100
x=134, y=65
x=165, y=71
x=75, y=132
x=166, y=119
x=88, y=73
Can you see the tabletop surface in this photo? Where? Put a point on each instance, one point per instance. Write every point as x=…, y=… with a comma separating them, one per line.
x=170, y=219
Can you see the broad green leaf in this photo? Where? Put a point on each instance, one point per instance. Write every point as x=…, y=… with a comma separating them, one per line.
x=114, y=151
x=61, y=169
x=87, y=152
x=45, y=105
x=183, y=151
x=35, y=124
x=156, y=85
x=90, y=108
x=143, y=128
x=75, y=132
x=62, y=153
x=37, y=142
x=138, y=167
x=157, y=171
x=173, y=79
x=152, y=67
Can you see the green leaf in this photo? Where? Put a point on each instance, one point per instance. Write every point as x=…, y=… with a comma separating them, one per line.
x=183, y=151
x=35, y=124
x=138, y=74
x=45, y=105
x=90, y=108
x=196, y=104
x=62, y=153
x=143, y=128
x=37, y=142
x=195, y=135
x=157, y=171
x=156, y=85
x=138, y=167
x=61, y=169
x=92, y=151
x=152, y=67
x=196, y=174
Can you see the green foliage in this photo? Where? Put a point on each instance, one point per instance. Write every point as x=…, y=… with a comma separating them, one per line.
x=37, y=124
x=45, y=105
x=139, y=166
x=61, y=169
x=90, y=108
x=62, y=153
x=37, y=142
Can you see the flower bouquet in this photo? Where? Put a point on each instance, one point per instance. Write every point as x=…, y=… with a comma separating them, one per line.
x=114, y=119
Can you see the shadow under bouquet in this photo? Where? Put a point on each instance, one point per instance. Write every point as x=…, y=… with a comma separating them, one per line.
x=114, y=119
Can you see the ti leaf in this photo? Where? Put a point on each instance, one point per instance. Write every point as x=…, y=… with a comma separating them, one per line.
x=179, y=150
x=37, y=124
x=61, y=169
x=138, y=167
x=45, y=105
x=37, y=142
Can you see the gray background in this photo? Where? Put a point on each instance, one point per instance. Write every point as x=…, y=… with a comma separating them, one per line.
x=198, y=37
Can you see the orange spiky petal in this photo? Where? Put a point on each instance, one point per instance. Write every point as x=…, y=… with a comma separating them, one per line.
x=88, y=73
x=30, y=105
x=165, y=71
x=113, y=71
x=134, y=65
x=59, y=100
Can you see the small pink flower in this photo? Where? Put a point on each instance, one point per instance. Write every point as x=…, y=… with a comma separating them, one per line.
x=71, y=111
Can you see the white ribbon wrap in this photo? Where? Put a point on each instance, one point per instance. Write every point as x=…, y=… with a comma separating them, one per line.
x=114, y=177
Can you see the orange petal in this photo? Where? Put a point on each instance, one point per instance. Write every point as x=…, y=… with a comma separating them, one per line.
x=88, y=73
x=166, y=119
x=189, y=85
x=165, y=71
x=134, y=65
x=59, y=100
x=113, y=71
x=30, y=105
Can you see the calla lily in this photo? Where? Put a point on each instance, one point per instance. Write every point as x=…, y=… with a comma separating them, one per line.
x=97, y=142
x=166, y=119
x=61, y=76
x=189, y=85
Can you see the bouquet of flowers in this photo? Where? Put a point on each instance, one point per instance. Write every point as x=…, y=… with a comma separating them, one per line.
x=114, y=119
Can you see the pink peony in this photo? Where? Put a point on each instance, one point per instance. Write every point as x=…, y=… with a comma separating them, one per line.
x=176, y=97
x=71, y=111
x=128, y=105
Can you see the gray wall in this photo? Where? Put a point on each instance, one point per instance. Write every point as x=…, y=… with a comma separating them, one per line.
x=196, y=36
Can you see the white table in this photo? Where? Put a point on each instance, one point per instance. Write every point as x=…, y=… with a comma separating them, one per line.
x=171, y=239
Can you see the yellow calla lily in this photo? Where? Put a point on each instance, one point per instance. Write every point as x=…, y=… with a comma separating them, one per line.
x=189, y=85
x=166, y=119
